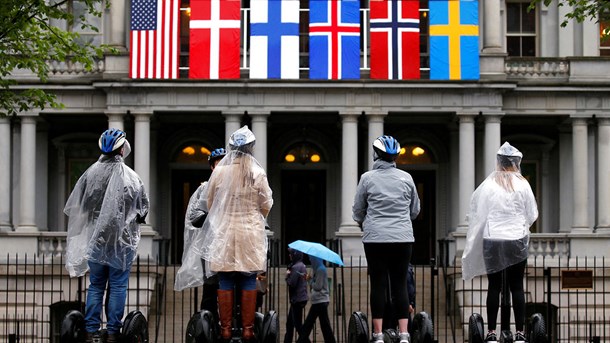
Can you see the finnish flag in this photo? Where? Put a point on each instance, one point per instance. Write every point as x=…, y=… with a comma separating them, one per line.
x=274, y=39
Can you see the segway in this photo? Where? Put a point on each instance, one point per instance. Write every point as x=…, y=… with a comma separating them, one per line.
x=135, y=328
x=358, y=330
x=201, y=327
x=535, y=334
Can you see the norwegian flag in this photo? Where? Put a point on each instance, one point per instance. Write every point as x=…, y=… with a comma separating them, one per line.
x=153, y=53
x=395, y=39
x=334, y=39
x=214, y=30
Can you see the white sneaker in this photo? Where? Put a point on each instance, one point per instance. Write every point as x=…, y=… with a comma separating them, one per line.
x=378, y=337
x=404, y=337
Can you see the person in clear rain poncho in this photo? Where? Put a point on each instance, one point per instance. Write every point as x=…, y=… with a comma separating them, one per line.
x=233, y=239
x=105, y=209
x=502, y=209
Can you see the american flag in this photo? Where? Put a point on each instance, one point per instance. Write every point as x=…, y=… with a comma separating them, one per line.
x=154, y=46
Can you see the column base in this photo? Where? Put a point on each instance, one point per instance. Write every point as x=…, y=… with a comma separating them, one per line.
x=6, y=228
x=19, y=244
x=492, y=66
x=352, y=248
x=26, y=228
x=581, y=230
x=599, y=229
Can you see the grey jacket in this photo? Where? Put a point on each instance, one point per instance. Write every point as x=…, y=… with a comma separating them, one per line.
x=385, y=203
x=319, y=283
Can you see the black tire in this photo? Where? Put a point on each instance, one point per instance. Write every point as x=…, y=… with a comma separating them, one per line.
x=391, y=336
x=73, y=328
x=423, y=329
x=271, y=328
x=537, y=333
x=135, y=328
x=475, y=329
x=358, y=328
x=200, y=328
x=259, y=319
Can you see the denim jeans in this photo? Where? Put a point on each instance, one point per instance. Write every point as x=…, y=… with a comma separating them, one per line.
x=228, y=280
x=101, y=275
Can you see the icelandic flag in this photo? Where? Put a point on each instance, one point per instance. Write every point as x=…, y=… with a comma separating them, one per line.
x=214, y=39
x=395, y=39
x=334, y=39
x=454, y=39
x=274, y=39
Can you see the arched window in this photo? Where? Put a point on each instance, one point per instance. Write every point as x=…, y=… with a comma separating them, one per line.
x=192, y=153
x=303, y=153
x=414, y=154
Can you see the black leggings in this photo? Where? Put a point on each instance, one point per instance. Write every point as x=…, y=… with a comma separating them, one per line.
x=515, y=275
x=388, y=263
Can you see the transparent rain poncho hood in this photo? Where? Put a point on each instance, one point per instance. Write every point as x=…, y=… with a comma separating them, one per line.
x=233, y=236
x=103, y=208
x=502, y=209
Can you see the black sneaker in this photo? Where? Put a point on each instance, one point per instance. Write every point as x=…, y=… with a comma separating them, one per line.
x=491, y=337
x=520, y=338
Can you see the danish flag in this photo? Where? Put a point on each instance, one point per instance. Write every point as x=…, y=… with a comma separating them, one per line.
x=214, y=29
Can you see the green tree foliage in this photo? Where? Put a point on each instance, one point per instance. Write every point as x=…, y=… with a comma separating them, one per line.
x=580, y=10
x=29, y=39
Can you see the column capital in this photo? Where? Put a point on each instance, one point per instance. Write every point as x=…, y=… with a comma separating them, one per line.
x=347, y=117
x=603, y=121
x=580, y=121
x=375, y=116
x=468, y=117
x=142, y=115
x=259, y=116
x=493, y=118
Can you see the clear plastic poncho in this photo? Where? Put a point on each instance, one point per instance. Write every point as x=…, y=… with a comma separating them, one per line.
x=233, y=236
x=103, y=210
x=502, y=209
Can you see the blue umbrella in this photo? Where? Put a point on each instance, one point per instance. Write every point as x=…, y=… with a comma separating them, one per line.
x=317, y=250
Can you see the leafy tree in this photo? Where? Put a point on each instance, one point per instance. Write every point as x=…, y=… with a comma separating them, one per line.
x=29, y=39
x=581, y=10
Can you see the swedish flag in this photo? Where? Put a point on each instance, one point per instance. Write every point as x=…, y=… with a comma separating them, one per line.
x=454, y=39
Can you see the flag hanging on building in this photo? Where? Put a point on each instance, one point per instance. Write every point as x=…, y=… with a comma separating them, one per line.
x=274, y=39
x=334, y=39
x=394, y=39
x=154, y=46
x=454, y=40
x=214, y=39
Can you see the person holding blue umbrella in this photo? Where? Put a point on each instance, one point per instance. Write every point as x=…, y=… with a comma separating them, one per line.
x=386, y=202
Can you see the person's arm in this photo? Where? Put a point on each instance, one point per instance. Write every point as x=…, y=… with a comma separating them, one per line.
x=360, y=204
x=415, y=206
x=318, y=279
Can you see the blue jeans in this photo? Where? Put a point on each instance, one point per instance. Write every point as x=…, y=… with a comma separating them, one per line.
x=227, y=281
x=117, y=280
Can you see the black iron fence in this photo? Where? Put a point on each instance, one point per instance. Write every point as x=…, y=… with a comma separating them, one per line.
x=571, y=293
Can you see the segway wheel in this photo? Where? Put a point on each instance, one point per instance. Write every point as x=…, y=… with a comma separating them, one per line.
x=390, y=336
x=423, y=330
x=135, y=328
x=271, y=328
x=358, y=328
x=259, y=318
x=200, y=328
x=73, y=328
x=475, y=329
x=537, y=332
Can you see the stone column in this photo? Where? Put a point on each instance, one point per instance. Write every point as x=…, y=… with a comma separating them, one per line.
x=603, y=175
x=375, y=123
x=5, y=174
x=259, y=128
x=117, y=25
x=27, y=176
x=580, y=182
x=492, y=142
x=349, y=231
x=492, y=37
x=141, y=149
x=116, y=119
x=232, y=123
x=466, y=168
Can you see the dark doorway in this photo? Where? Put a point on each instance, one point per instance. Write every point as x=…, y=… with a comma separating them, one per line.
x=303, y=207
x=184, y=184
x=424, y=228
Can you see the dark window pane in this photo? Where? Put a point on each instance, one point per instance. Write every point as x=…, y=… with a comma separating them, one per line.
x=604, y=52
x=423, y=44
x=512, y=17
x=604, y=28
x=423, y=22
x=513, y=46
x=528, y=20
x=528, y=46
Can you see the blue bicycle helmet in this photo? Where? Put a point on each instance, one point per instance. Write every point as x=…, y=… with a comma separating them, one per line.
x=217, y=154
x=111, y=140
x=386, y=147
